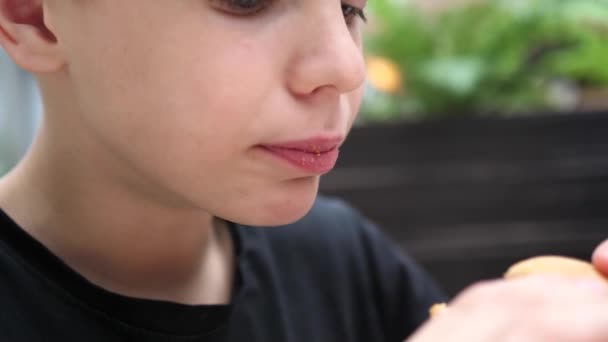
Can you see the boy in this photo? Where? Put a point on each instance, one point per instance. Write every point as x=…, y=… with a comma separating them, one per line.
x=171, y=129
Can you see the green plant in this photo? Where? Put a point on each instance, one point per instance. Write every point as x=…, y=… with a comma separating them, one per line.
x=488, y=57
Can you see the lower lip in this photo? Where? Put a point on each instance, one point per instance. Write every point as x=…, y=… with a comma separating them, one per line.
x=317, y=163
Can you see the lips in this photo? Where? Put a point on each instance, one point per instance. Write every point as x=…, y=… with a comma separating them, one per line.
x=316, y=156
x=310, y=146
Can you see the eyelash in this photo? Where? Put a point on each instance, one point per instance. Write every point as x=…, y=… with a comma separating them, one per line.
x=245, y=8
x=353, y=13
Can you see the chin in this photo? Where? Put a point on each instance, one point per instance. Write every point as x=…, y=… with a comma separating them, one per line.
x=281, y=206
x=287, y=214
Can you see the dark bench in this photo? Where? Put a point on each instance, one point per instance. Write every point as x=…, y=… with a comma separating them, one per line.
x=468, y=197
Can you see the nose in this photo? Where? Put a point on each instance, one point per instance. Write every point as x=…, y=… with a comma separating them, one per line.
x=328, y=56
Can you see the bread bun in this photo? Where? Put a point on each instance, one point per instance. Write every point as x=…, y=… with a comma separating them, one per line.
x=548, y=264
x=552, y=264
x=436, y=309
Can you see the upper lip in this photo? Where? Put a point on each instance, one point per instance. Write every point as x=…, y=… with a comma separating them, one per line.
x=310, y=145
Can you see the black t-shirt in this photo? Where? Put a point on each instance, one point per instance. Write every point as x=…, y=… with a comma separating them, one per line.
x=330, y=277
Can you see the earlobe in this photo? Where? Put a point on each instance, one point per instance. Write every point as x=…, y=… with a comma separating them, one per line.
x=26, y=38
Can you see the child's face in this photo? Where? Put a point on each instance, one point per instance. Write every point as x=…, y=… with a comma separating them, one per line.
x=186, y=93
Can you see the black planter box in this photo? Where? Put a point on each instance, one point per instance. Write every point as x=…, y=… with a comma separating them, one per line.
x=468, y=197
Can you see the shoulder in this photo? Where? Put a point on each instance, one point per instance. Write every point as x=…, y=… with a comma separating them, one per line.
x=335, y=247
x=334, y=238
x=331, y=236
x=334, y=234
x=348, y=261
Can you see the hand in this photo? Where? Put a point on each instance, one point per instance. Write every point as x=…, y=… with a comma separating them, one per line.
x=535, y=308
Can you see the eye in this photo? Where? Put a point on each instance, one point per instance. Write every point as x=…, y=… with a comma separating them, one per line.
x=351, y=12
x=241, y=7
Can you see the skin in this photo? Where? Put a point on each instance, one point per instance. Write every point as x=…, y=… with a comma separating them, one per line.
x=150, y=135
x=541, y=307
x=600, y=258
x=151, y=129
x=535, y=308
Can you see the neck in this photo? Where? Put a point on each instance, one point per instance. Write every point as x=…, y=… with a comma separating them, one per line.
x=119, y=238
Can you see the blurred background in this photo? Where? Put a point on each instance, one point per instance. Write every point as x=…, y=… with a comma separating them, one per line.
x=20, y=108
x=482, y=138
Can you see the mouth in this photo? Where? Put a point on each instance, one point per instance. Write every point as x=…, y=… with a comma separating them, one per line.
x=314, y=156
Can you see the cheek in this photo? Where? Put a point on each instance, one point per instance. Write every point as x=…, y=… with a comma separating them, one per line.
x=181, y=116
x=197, y=98
x=207, y=77
x=182, y=111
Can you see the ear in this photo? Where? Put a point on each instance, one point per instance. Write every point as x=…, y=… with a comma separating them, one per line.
x=26, y=38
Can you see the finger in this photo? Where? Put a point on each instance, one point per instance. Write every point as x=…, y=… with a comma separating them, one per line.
x=600, y=258
x=536, y=308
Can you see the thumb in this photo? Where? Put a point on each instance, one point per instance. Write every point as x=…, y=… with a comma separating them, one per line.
x=600, y=258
